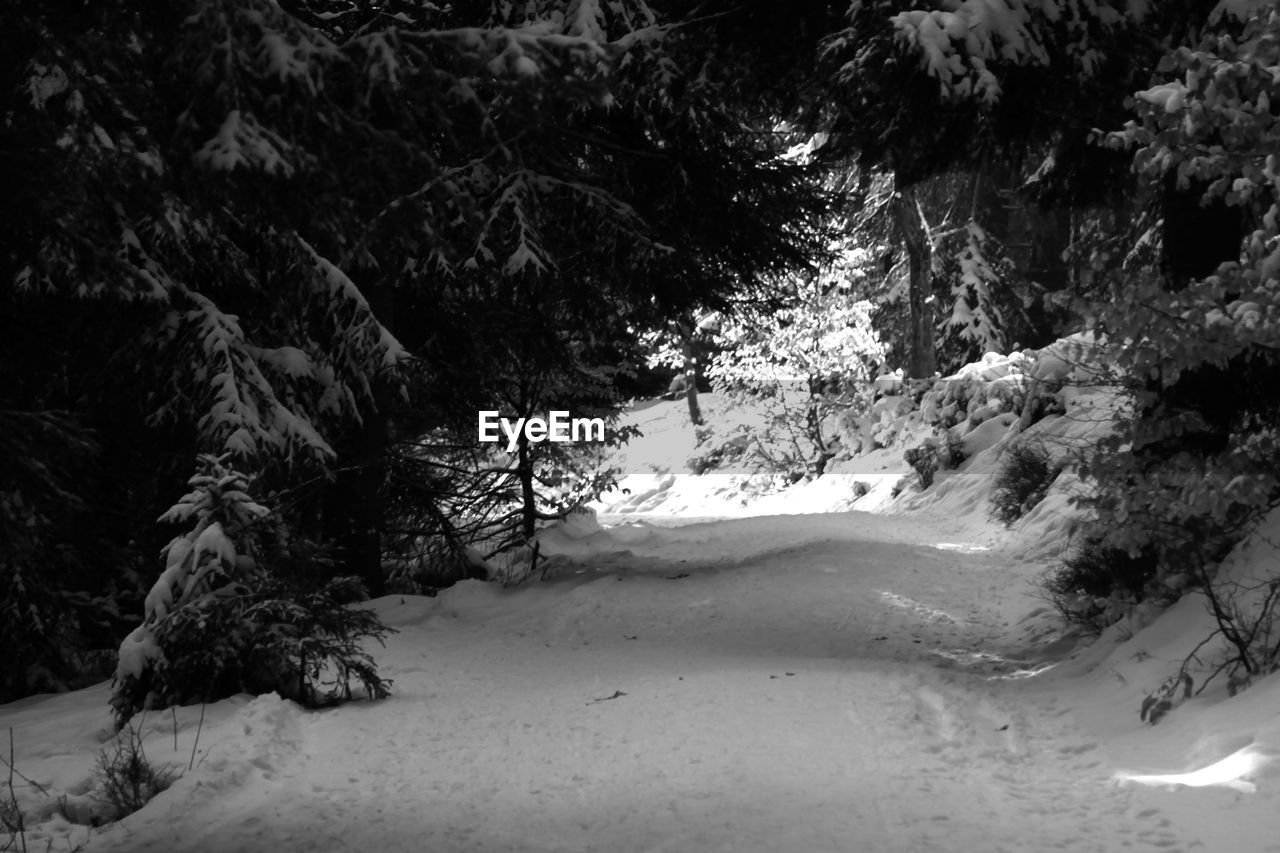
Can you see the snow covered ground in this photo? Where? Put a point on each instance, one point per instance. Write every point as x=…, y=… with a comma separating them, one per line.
x=786, y=674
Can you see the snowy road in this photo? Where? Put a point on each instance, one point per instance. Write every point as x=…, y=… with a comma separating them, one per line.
x=801, y=683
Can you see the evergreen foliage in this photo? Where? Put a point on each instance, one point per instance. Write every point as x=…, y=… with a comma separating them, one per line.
x=309, y=234
x=1024, y=478
x=1096, y=584
x=219, y=621
x=305, y=241
x=924, y=460
x=1187, y=475
x=942, y=451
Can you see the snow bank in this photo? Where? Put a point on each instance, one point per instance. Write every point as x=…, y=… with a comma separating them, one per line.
x=1208, y=740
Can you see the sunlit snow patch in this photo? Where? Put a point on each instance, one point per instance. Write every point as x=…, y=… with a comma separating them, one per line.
x=963, y=547
x=1005, y=669
x=1027, y=672
x=966, y=657
x=929, y=613
x=632, y=532
x=1230, y=772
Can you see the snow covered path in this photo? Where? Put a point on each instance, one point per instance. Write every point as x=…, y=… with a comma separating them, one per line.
x=799, y=683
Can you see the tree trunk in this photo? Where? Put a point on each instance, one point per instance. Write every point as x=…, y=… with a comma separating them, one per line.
x=691, y=397
x=686, y=332
x=528, y=498
x=355, y=505
x=813, y=427
x=913, y=231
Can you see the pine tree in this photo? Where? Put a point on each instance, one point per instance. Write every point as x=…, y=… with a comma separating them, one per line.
x=219, y=621
x=256, y=230
x=662, y=203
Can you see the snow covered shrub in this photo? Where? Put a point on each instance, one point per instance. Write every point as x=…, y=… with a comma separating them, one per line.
x=1095, y=585
x=924, y=459
x=1046, y=400
x=900, y=486
x=951, y=450
x=944, y=450
x=949, y=402
x=1022, y=481
x=217, y=622
x=876, y=426
x=303, y=645
x=127, y=777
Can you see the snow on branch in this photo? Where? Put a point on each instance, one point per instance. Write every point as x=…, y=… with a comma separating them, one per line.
x=358, y=352
x=290, y=52
x=241, y=142
x=586, y=38
x=511, y=230
x=383, y=350
x=244, y=415
x=259, y=38
x=961, y=42
x=586, y=19
x=975, y=312
x=1209, y=119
